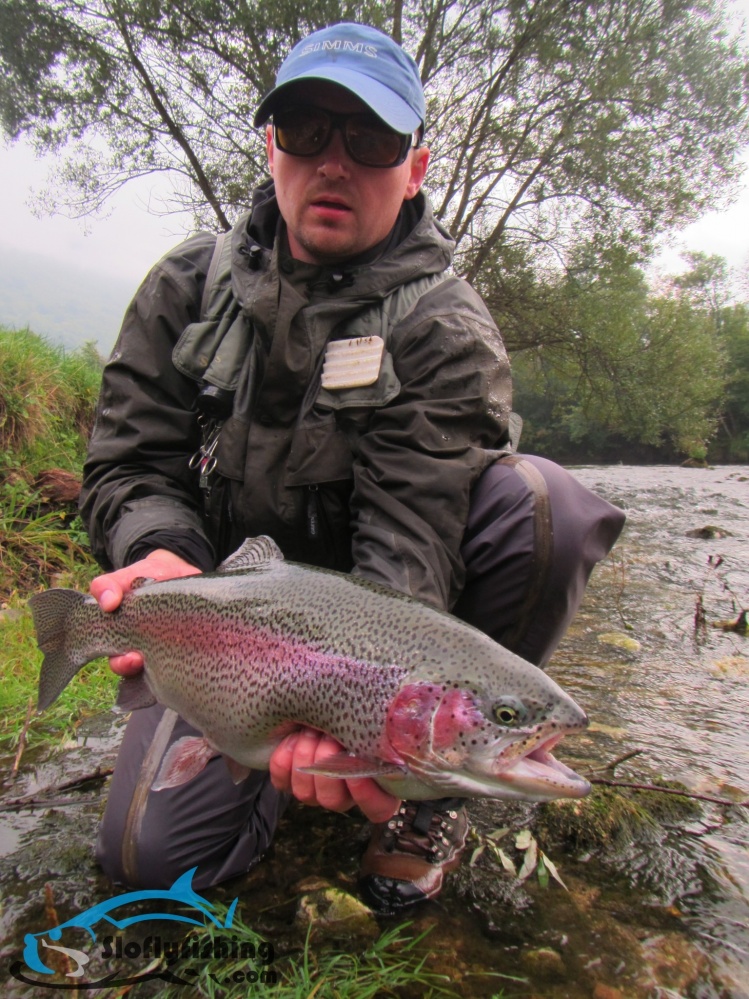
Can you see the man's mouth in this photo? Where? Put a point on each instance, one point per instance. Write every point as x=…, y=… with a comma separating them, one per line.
x=330, y=206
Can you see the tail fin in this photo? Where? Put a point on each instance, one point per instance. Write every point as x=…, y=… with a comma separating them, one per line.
x=52, y=611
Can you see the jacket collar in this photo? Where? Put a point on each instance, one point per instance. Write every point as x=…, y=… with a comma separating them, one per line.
x=418, y=245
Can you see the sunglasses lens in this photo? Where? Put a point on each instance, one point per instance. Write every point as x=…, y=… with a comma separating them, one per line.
x=306, y=131
x=302, y=132
x=372, y=143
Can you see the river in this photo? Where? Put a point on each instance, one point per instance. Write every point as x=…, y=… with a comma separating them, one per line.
x=683, y=695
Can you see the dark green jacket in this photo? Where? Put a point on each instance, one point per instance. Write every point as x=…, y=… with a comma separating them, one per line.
x=389, y=500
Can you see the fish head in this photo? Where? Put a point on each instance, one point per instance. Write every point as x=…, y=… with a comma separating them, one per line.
x=474, y=740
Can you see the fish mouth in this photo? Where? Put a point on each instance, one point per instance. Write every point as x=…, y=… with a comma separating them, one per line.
x=540, y=776
x=536, y=776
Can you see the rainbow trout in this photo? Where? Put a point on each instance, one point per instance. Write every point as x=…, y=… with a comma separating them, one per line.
x=423, y=703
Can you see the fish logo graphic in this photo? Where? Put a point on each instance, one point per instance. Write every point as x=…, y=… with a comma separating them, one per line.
x=120, y=912
x=78, y=956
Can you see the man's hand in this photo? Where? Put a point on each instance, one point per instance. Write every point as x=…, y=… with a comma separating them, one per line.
x=109, y=589
x=302, y=749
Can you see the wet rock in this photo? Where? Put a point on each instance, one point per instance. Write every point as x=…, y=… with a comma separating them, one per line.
x=544, y=964
x=602, y=991
x=605, y=818
x=672, y=963
x=333, y=914
x=620, y=641
x=709, y=533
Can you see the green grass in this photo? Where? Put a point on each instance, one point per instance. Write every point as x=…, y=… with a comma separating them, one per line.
x=47, y=401
x=394, y=965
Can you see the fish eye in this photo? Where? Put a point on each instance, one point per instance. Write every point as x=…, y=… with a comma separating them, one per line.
x=507, y=712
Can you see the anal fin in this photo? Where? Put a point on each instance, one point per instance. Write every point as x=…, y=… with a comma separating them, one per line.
x=133, y=693
x=238, y=771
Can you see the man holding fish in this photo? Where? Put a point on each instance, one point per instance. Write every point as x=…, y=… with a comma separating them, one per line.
x=320, y=377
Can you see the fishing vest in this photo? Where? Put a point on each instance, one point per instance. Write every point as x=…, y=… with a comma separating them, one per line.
x=221, y=354
x=214, y=350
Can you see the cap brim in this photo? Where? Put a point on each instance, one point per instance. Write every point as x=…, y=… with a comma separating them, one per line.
x=381, y=99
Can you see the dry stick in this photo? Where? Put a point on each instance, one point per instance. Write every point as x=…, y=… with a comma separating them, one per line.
x=22, y=739
x=39, y=801
x=98, y=774
x=653, y=787
x=59, y=960
x=667, y=790
x=21, y=803
x=620, y=759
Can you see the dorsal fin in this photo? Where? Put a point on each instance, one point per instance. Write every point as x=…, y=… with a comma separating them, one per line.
x=254, y=553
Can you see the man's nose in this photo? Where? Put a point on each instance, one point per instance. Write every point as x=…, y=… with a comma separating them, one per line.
x=335, y=161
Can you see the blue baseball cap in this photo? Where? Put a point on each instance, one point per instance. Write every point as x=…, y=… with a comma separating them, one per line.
x=360, y=59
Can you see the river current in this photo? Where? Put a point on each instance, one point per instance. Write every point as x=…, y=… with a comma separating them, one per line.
x=672, y=680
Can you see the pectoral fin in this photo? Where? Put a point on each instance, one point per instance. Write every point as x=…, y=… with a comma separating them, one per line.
x=343, y=765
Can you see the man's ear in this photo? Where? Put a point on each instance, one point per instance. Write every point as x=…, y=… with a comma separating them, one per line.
x=419, y=163
x=269, y=146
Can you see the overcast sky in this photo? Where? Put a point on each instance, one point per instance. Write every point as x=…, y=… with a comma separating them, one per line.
x=130, y=240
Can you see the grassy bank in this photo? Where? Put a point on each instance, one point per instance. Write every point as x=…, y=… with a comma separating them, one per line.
x=47, y=401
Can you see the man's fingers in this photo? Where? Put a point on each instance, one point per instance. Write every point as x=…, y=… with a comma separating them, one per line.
x=281, y=763
x=127, y=665
x=107, y=592
x=376, y=804
x=306, y=747
x=109, y=588
x=302, y=749
x=313, y=747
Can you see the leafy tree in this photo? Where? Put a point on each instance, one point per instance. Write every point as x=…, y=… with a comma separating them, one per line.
x=706, y=285
x=634, y=367
x=551, y=121
x=733, y=438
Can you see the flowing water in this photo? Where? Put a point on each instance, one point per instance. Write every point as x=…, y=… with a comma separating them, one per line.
x=677, y=578
x=662, y=917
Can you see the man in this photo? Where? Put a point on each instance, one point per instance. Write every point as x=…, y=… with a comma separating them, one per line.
x=400, y=480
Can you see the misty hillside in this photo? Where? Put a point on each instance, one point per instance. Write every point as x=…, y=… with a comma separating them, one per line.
x=65, y=303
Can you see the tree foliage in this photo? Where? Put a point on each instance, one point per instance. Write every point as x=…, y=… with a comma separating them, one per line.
x=635, y=368
x=551, y=121
x=705, y=286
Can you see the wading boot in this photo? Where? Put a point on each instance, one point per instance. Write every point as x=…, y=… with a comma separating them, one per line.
x=408, y=856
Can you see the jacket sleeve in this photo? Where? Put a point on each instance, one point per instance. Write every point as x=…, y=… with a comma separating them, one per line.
x=136, y=479
x=422, y=453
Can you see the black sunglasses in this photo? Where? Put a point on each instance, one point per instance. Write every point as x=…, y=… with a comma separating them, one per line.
x=305, y=130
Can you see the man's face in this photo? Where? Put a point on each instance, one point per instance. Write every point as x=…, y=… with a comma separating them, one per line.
x=335, y=208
